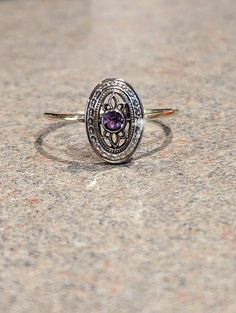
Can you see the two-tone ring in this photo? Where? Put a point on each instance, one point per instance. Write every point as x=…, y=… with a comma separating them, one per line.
x=114, y=119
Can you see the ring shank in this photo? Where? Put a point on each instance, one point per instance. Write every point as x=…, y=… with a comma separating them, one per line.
x=149, y=114
x=67, y=117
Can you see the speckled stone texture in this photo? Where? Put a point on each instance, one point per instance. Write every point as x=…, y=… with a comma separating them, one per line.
x=157, y=235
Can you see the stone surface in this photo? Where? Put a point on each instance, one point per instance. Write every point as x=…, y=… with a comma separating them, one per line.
x=156, y=235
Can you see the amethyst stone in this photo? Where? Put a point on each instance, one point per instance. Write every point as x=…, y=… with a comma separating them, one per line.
x=113, y=121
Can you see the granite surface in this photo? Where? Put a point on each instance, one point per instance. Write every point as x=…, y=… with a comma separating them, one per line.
x=156, y=235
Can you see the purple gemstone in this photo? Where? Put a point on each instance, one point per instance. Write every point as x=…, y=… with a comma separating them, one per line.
x=113, y=120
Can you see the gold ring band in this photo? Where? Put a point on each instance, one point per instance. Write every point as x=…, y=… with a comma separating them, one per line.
x=114, y=119
x=149, y=114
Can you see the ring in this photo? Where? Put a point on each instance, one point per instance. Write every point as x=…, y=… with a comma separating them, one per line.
x=114, y=119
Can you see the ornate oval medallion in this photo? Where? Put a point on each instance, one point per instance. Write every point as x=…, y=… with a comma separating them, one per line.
x=114, y=120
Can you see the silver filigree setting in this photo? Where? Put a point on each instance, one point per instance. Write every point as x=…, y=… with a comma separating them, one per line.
x=114, y=120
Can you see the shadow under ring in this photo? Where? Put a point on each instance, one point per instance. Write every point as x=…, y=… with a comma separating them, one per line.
x=97, y=166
